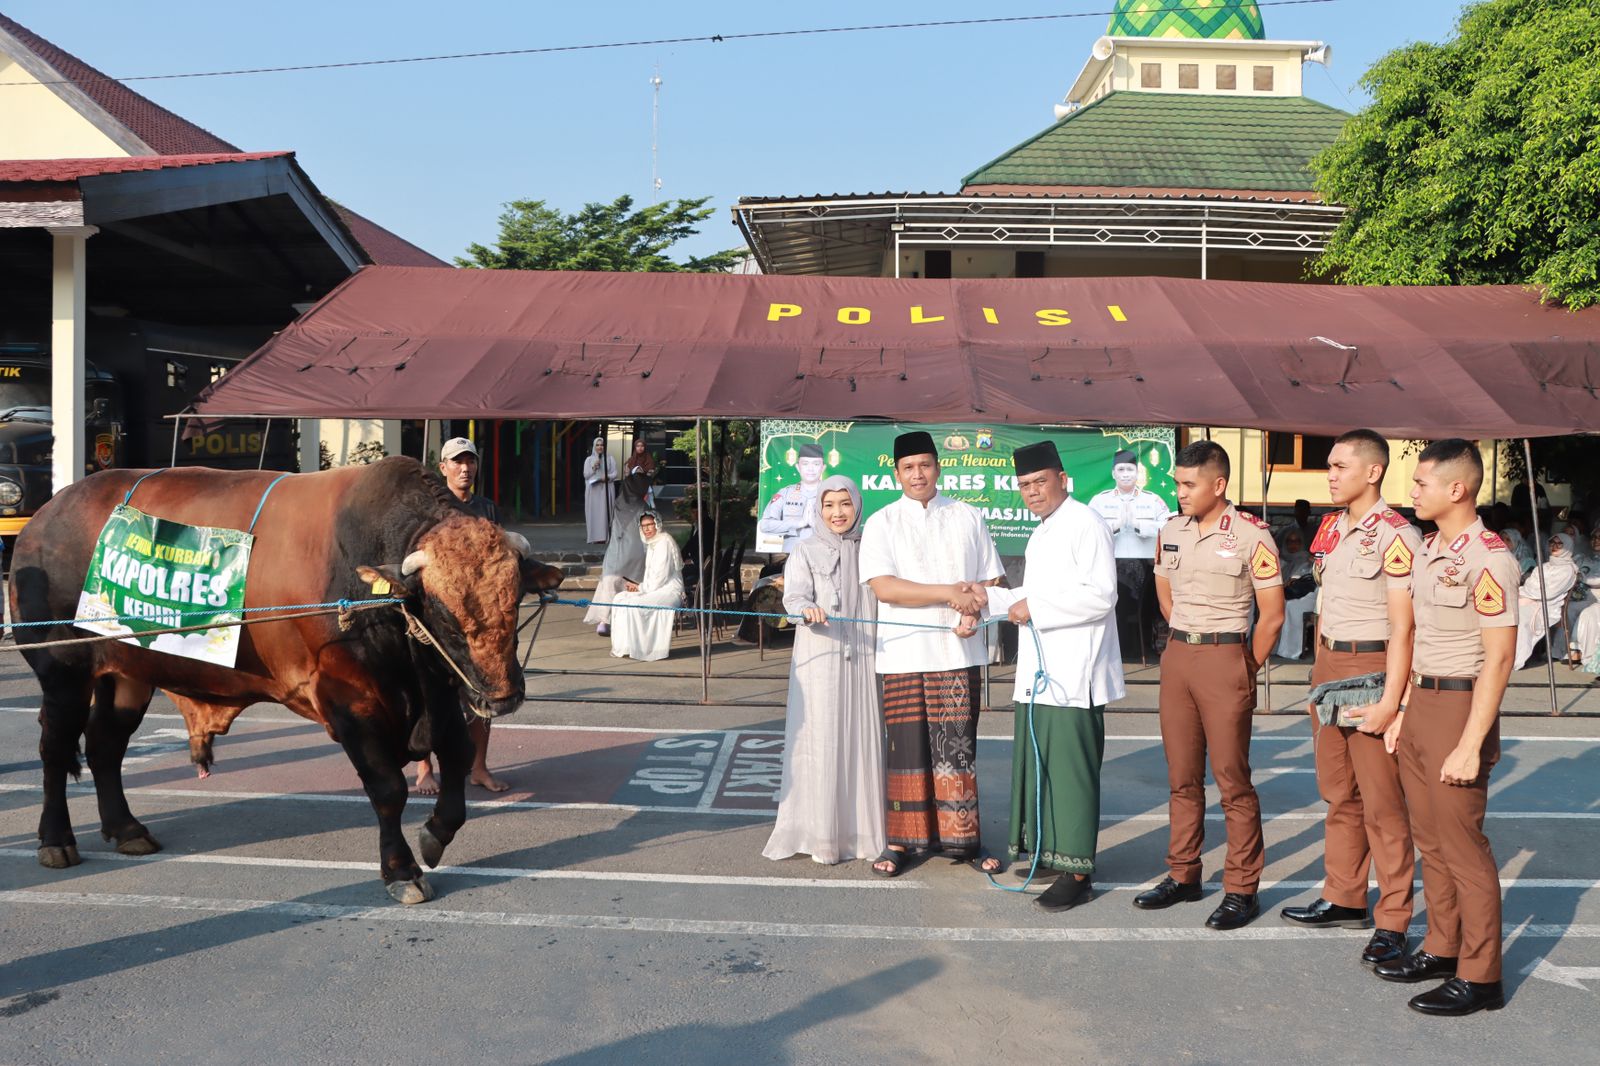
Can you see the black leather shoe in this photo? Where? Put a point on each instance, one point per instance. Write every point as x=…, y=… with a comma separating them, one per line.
x=1236, y=911
x=1386, y=946
x=1418, y=966
x=1166, y=894
x=1457, y=997
x=1066, y=893
x=1042, y=876
x=1323, y=914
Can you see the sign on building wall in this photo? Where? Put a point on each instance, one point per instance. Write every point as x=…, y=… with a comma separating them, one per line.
x=975, y=467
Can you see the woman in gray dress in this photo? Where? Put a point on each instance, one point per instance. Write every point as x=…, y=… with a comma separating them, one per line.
x=830, y=805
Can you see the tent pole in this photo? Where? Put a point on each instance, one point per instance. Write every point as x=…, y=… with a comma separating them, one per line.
x=261, y=461
x=700, y=568
x=1266, y=667
x=177, y=424
x=1544, y=592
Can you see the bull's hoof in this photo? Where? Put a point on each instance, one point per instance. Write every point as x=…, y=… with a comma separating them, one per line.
x=139, y=845
x=432, y=847
x=410, y=892
x=52, y=858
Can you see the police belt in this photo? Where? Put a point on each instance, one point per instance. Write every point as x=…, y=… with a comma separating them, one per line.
x=1442, y=684
x=1184, y=637
x=1355, y=647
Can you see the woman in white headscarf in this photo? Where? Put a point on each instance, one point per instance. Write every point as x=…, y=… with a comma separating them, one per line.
x=830, y=805
x=644, y=632
x=624, y=561
x=1584, y=614
x=599, y=486
x=1541, y=605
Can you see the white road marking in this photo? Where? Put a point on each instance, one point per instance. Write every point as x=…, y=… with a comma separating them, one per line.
x=203, y=793
x=1298, y=886
x=428, y=915
x=503, y=873
x=719, y=771
x=1571, y=976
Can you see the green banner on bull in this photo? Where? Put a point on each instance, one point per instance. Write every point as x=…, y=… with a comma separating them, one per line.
x=975, y=467
x=151, y=574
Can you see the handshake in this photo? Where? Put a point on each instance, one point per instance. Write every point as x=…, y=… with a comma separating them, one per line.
x=969, y=598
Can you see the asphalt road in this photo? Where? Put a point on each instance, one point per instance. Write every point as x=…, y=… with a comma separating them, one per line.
x=614, y=906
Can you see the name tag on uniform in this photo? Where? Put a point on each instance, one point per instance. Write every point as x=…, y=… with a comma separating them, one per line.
x=1169, y=547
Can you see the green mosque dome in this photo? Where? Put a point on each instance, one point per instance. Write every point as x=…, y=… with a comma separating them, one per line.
x=1205, y=19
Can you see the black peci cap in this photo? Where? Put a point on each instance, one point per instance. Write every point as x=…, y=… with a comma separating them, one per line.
x=917, y=442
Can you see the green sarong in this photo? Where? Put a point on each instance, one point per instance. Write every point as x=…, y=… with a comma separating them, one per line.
x=1072, y=744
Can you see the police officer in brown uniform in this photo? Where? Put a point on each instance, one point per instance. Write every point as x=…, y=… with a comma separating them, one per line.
x=1213, y=563
x=1363, y=556
x=1463, y=591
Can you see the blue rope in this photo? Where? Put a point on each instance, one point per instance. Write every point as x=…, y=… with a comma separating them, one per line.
x=757, y=614
x=343, y=605
x=252, y=526
x=141, y=481
x=1039, y=678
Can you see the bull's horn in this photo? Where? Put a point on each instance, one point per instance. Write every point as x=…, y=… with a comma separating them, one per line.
x=414, y=562
x=518, y=543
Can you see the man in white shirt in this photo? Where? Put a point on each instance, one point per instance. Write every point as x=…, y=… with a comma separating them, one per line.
x=1069, y=596
x=920, y=555
x=1135, y=517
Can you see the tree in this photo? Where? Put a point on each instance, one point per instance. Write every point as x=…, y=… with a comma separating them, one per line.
x=1478, y=161
x=535, y=236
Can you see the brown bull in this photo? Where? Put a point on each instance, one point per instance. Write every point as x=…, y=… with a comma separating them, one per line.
x=320, y=538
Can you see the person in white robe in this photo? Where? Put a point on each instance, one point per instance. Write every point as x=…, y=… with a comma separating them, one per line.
x=1583, y=612
x=1542, y=605
x=1299, y=594
x=1069, y=597
x=599, y=491
x=830, y=804
x=640, y=632
x=624, y=558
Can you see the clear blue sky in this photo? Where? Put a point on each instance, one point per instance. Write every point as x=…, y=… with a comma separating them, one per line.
x=432, y=150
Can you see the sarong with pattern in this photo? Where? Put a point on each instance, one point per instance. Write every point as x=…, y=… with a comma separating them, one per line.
x=932, y=752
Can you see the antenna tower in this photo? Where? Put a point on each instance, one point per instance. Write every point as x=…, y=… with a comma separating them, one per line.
x=655, y=136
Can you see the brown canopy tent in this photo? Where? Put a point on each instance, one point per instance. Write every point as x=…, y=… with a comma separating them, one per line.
x=416, y=342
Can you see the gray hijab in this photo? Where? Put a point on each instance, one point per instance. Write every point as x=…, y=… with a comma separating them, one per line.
x=836, y=554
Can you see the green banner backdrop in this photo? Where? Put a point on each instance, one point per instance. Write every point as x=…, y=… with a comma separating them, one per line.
x=975, y=467
x=150, y=573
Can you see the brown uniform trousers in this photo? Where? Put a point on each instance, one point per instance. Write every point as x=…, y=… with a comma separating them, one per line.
x=1208, y=694
x=1460, y=878
x=1366, y=824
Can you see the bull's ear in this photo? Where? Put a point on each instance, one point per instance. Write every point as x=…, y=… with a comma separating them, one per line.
x=384, y=580
x=538, y=577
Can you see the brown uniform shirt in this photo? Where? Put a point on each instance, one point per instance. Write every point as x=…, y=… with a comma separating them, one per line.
x=1214, y=576
x=1358, y=565
x=1457, y=591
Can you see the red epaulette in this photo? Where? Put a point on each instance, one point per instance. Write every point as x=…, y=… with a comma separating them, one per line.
x=1320, y=543
x=1253, y=520
x=1492, y=541
x=1395, y=518
x=1430, y=538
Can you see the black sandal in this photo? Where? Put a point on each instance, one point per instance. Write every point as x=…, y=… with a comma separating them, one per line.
x=896, y=859
x=975, y=858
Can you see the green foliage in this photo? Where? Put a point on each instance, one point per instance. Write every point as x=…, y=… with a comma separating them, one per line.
x=369, y=451
x=733, y=451
x=535, y=236
x=1478, y=161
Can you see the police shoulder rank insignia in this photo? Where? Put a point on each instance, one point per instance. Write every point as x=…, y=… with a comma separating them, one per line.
x=1397, y=559
x=1263, y=562
x=1253, y=520
x=1492, y=541
x=1326, y=539
x=1488, y=597
x=1395, y=518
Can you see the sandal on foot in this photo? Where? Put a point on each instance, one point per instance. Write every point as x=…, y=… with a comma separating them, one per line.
x=975, y=858
x=896, y=859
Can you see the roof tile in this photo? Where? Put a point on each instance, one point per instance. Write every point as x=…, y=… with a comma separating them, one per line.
x=57, y=170
x=1137, y=140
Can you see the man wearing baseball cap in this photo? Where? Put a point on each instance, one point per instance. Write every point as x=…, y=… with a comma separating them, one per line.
x=458, y=464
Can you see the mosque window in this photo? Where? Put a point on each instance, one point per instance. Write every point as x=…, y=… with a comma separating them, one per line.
x=1150, y=75
x=1188, y=75
x=1263, y=79
x=1227, y=76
